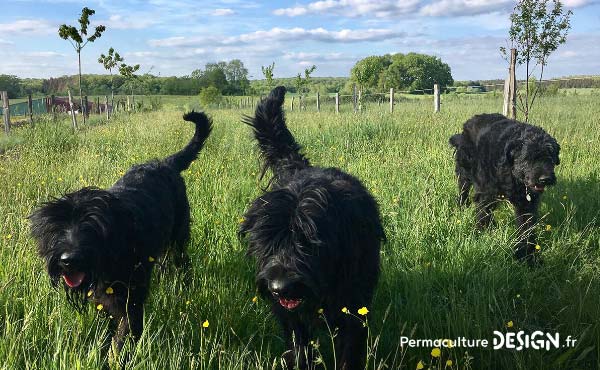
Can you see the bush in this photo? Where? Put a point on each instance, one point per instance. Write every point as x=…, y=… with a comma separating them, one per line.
x=210, y=96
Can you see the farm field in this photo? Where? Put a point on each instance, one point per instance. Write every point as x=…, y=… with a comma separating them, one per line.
x=440, y=278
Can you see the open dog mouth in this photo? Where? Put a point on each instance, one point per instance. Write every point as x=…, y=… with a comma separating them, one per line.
x=539, y=188
x=73, y=279
x=289, y=304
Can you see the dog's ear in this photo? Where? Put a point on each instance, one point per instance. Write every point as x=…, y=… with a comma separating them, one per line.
x=510, y=151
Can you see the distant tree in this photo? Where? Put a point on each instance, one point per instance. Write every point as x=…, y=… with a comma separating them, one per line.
x=237, y=77
x=300, y=82
x=79, y=39
x=366, y=72
x=268, y=73
x=210, y=95
x=11, y=85
x=214, y=75
x=109, y=62
x=538, y=28
x=417, y=72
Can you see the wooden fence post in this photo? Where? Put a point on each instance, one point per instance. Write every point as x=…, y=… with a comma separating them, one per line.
x=318, y=103
x=436, y=98
x=337, y=102
x=6, y=108
x=360, y=100
x=509, y=108
x=391, y=100
x=106, y=107
x=292, y=104
x=30, y=108
x=73, y=119
x=354, y=96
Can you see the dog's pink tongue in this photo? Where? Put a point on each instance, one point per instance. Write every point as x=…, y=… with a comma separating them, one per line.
x=290, y=304
x=74, y=279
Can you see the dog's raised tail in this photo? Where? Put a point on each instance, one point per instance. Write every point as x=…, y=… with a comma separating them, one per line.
x=182, y=159
x=279, y=149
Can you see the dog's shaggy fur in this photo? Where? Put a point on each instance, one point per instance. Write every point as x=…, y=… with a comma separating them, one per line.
x=505, y=159
x=101, y=245
x=316, y=236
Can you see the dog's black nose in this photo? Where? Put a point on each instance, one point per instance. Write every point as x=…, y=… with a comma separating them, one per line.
x=546, y=179
x=279, y=287
x=67, y=258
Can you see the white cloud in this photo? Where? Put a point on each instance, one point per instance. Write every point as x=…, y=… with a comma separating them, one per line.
x=222, y=12
x=130, y=22
x=353, y=8
x=29, y=27
x=282, y=34
x=576, y=3
x=454, y=8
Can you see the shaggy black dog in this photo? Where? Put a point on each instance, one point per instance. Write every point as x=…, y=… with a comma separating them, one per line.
x=316, y=236
x=505, y=159
x=101, y=245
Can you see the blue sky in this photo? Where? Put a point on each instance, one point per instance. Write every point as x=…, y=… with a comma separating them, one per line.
x=174, y=37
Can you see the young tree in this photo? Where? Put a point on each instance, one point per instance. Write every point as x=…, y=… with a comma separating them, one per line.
x=538, y=27
x=109, y=62
x=268, y=73
x=79, y=39
x=129, y=73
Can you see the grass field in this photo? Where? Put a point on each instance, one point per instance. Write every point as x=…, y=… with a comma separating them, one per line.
x=440, y=278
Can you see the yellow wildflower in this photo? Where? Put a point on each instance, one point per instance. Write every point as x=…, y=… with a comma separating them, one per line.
x=449, y=363
x=109, y=290
x=564, y=197
x=205, y=324
x=510, y=324
x=537, y=247
x=345, y=310
x=420, y=365
x=436, y=352
x=99, y=307
x=363, y=311
x=90, y=292
x=548, y=227
x=151, y=259
x=241, y=220
x=254, y=299
x=320, y=311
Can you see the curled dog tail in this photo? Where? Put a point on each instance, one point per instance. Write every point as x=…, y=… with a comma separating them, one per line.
x=181, y=160
x=279, y=149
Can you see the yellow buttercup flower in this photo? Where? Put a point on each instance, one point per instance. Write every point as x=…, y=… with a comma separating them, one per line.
x=449, y=363
x=510, y=324
x=205, y=324
x=420, y=365
x=241, y=220
x=254, y=299
x=151, y=259
x=537, y=247
x=99, y=307
x=320, y=311
x=345, y=310
x=436, y=352
x=363, y=311
x=548, y=227
x=89, y=293
x=109, y=290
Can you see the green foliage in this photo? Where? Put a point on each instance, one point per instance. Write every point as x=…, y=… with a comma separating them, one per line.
x=538, y=28
x=229, y=78
x=301, y=83
x=367, y=72
x=79, y=38
x=210, y=96
x=10, y=84
x=414, y=71
x=268, y=73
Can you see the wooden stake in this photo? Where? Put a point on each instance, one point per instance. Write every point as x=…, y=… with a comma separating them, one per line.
x=318, y=103
x=106, y=107
x=436, y=98
x=337, y=102
x=6, y=108
x=391, y=100
x=30, y=108
x=73, y=119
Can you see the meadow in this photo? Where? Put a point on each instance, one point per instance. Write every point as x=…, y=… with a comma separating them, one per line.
x=440, y=278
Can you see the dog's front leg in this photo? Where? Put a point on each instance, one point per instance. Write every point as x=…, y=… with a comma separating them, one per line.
x=351, y=345
x=526, y=218
x=130, y=319
x=298, y=355
x=484, y=210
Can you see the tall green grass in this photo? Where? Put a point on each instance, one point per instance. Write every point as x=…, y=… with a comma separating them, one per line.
x=440, y=278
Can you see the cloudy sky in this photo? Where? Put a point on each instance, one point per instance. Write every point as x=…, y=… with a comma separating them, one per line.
x=174, y=37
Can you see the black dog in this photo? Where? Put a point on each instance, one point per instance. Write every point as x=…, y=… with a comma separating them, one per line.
x=102, y=244
x=504, y=158
x=316, y=236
